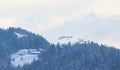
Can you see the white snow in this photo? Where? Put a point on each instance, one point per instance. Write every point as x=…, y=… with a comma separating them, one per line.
x=24, y=56
x=20, y=35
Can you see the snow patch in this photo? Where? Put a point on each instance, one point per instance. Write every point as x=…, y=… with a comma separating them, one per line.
x=20, y=35
x=24, y=56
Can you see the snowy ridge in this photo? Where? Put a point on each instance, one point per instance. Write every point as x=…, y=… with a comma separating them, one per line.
x=24, y=56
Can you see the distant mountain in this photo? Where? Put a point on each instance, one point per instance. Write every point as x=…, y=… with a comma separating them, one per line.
x=23, y=50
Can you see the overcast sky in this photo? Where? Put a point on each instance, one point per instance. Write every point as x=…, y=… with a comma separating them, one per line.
x=96, y=20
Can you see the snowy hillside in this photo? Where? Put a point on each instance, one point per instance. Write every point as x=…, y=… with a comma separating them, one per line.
x=23, y=50
x=24, y=56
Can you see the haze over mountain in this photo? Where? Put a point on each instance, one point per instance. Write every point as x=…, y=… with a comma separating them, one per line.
x=62, y=35
x=96, y=20
x=90, y=27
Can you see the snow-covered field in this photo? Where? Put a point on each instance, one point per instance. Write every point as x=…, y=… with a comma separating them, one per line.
x=24, y=56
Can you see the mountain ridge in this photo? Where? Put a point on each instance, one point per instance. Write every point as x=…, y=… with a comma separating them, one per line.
x=76, y=56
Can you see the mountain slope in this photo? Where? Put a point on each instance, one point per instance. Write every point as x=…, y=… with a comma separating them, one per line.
x=14, y=39
x=87, y=56
x=17, y=38
x=23, y=50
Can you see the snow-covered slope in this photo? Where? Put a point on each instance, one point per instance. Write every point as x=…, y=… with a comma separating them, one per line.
x=24, y=56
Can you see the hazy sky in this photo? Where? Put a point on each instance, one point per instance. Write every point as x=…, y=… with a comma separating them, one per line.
x=96, y=20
